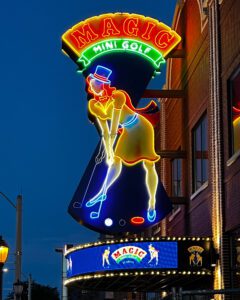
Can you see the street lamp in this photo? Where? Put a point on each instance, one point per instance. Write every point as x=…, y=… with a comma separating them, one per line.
x=18, y=207
x=3, y=257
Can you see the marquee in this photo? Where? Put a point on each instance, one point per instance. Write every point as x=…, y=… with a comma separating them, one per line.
x=147, y=256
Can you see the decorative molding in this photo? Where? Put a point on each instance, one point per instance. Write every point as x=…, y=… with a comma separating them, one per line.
x=163, y=134
x=203, y=10
x=233, y=158
x=216, y=134
x=172, y=154
x=174, y=214
x=198, y=191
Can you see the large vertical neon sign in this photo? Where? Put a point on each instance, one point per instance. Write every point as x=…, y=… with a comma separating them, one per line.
x=118, y=54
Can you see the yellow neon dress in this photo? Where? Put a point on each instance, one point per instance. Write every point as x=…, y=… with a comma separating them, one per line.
x=136, y=141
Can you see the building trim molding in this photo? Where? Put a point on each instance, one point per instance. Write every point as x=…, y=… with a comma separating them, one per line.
x=215, y=128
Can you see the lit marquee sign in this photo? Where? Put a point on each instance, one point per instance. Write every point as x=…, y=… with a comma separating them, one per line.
x=119, y=32
x=185, y=255
x=136, y=255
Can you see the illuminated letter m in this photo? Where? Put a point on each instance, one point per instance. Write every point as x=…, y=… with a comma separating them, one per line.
x=84, y=35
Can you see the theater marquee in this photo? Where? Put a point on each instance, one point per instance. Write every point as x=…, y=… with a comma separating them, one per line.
x=159, y=256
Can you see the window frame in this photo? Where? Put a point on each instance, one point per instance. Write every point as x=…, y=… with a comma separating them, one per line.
x=176, y=207
x=199, y=123
x=231, y=151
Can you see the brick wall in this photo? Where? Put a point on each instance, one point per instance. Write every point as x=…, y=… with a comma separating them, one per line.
x=230, y=53
x=192, y=75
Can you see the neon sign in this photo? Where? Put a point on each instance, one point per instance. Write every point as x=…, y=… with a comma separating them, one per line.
x=119, y=32
x=157, y=256
x=118, y=55
x=132, y=255
x=121, y=45
x=128, y=252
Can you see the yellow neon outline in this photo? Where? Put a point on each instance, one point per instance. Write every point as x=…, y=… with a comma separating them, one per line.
x=104, y=109
x=116, y=153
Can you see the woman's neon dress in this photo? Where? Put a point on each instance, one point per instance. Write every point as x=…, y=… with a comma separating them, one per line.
x=136, y=140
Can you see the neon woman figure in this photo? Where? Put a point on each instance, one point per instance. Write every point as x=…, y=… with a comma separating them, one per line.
x=127, y=135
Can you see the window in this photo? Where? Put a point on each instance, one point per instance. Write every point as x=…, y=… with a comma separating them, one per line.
x=200, y=153
x=176, y=177
x=234, y=105
x=176, y=181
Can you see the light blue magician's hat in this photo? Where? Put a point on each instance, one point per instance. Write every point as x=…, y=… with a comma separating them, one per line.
x=101, y=74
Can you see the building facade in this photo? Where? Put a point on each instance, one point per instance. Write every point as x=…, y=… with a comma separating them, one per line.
x=204, y=127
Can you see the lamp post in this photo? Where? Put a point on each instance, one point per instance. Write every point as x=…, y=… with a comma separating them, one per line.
x=64, y=290
x=18, y=289
x=3, y=257
x=18, y=253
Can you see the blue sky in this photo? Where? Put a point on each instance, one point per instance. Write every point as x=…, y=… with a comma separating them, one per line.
x=46, y=138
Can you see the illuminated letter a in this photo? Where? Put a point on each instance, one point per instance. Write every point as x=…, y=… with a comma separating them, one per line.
x=109, y=28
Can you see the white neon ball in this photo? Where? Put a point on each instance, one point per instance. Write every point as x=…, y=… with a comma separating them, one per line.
x=108, y=222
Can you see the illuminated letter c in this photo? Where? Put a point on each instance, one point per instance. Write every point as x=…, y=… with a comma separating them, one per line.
x=163, y=39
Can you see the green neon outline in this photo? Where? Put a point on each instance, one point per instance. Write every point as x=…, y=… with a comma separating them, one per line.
x=87, y=61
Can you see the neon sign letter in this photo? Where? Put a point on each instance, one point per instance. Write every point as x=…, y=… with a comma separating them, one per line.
x=163, y=39
x=85, y=36
x=109, y=28
x=148, y=31
x=130, y=26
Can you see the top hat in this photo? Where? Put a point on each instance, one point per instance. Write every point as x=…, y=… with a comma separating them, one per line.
x=101, y=74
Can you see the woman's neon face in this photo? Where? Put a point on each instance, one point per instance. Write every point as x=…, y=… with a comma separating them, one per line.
x=96, y=87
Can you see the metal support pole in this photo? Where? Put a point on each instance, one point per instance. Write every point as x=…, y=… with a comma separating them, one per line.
x=18, y=239
x=180, y=295
x=174, y=296
x=29, y=287
x=64, y=290
x=1, y=280
x=64, y=277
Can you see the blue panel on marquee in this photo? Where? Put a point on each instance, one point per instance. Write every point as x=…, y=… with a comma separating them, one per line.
x=123, y=256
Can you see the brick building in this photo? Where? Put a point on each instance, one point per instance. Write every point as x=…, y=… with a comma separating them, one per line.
x=199, y=136
x=202, y=128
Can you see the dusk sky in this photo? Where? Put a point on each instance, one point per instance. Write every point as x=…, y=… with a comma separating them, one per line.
x=46, y=138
